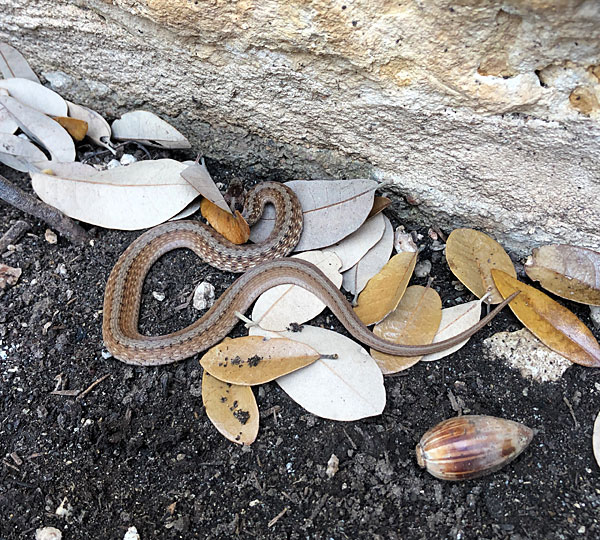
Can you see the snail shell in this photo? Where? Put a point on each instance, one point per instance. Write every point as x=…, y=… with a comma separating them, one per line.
x=467, y=447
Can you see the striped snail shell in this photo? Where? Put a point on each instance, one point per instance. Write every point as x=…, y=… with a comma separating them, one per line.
x=467, y=447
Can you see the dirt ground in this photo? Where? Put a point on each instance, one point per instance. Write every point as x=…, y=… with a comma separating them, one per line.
x=138, y=449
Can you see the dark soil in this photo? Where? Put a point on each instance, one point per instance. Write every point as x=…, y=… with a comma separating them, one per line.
x=139, y=449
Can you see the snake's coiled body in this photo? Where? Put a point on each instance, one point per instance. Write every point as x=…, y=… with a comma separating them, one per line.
x=265, y=268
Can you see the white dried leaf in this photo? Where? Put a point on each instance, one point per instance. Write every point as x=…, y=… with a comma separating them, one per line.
x=98, y=128
x=13, y=64
x=198, y=176
x=354, y=247
x=331, y=210
x=281, y=306
x=189, y=210
x=50, y=134
x=19, y=153
x=347, y=388
x=36, y=96
x=138, y=196
x=148, y=128
x=356, y=279
x=8, y=124
x=455, y=320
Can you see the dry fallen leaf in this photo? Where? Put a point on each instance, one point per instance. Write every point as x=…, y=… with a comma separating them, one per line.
x=234, y=228
x=8, y=275
x=379, y=205
x=344, y=389
x=13, y=64
x=331, y=210
x=471, y=255
x=19, y=153
x=256, y=360
x=354, y=247
x=138, y=196
x=553, y=324
x=199, y=177
x=414, y=322
x=76, y=128
x=148, y=128
x=98, y=129
x=596, y=439
x=231, y=408
x=281, y=306
x=8, y=124
x=36, y=96
x=384, y=290
x=189, y=210
x=455, y=320
x=41, y=128
x=568, y=271
x=356, y=278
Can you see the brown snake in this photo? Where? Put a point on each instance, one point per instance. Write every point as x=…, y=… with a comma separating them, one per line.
x=265, y=269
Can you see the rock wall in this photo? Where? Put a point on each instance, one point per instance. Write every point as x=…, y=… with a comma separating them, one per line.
x=485, y=113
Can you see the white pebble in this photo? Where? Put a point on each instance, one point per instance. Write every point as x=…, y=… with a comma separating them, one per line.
x=403, y=241
x=158, y=296
x=50, y=236
x=128, y=159
x=204, y=296
x=113, y=164
x=48, y=533
x=131, y=534
x=333, y=466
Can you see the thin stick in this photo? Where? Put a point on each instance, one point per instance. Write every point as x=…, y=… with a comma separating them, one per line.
x=91, y=386
x=53, y=217
x=14, y=234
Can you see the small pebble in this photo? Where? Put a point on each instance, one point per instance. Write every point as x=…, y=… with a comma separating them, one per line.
x=113, y=164
x=403, y=241
x=158, y=296
x=423, y=268
x=105, y=354
x=48, y=533
x=50, y=236
x=127, y=159
x=204, y=296
x=131, y=534
x=595, y=316
x=333, y=466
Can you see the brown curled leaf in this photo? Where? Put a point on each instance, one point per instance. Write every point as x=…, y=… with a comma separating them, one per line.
x=553, y=324
x=256, y=360
x=231, y=408
x=76, y=128
x=234, y=228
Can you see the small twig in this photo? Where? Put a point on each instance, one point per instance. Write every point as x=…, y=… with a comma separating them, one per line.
x=29, y=204
x=68, y=393
x=277, y=517
x=14, y=234
x=18, y=470
x=329, y=356
x=90, y=387
x=570, y=407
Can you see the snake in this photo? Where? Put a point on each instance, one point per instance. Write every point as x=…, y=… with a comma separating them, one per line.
x=264, y=264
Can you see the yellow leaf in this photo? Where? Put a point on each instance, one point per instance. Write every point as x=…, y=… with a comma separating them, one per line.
x=379, y=205
x=256, y=360
x=76, y=128
x=231, y=408
x=414, y=322
x=234, y=228
x=471, y=255
x=385, y=289
x=568, y=271
x=551, y=323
